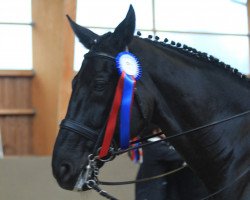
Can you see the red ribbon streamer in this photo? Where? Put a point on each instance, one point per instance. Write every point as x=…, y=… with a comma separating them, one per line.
x=111, y=124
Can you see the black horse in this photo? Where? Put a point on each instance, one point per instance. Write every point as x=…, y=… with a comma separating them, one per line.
x=180, y=89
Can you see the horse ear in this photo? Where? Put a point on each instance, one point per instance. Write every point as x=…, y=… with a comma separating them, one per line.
x=124, y=32
x=85, y=36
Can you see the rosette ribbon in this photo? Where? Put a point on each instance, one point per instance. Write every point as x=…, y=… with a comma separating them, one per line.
x=129, y=71
x=136, y=155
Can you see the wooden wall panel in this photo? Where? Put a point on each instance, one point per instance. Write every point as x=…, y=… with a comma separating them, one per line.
x=68, y=60
x=16, y=135
x=12, y=89
x=16, y=112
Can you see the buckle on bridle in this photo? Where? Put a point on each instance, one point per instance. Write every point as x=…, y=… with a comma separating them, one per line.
x=109, y=157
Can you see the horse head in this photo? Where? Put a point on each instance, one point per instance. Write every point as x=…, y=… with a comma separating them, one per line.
x=180, y=89
x=93, y=91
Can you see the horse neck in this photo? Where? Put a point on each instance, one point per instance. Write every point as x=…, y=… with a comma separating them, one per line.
x=190, y=92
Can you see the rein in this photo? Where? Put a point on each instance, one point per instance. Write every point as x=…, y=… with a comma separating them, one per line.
x=94, y=182
x=144, y=179
x=92, y=171
x=119, y=152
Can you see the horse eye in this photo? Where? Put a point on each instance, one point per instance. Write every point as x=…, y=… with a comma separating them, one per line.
x=100, y=85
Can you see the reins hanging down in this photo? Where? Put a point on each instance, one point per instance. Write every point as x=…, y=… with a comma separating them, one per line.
x=93, y=182
x=119, y=152
x=113, y=183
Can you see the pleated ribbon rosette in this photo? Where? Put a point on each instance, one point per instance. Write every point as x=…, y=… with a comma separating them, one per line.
x=129, y=71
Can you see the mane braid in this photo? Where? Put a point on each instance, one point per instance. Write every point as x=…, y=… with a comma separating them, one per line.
x=190, y=51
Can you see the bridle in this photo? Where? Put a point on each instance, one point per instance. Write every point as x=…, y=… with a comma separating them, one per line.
x=92, y=170
x=87, y=132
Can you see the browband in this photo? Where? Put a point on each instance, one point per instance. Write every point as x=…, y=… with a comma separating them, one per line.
x=99, y=54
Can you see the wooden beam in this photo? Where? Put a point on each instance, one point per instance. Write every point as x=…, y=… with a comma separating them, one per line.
x=17, y=73
x=16, y=112
x=49, y=40
x=68, y=60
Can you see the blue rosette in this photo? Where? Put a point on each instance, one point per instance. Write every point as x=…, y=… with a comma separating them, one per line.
x=127, y=64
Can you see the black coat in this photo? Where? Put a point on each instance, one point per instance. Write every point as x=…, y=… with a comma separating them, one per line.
x=183, y=185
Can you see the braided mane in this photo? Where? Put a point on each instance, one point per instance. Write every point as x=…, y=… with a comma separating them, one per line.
x=190, y=51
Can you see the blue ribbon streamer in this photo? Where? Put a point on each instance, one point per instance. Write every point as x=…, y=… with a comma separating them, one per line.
x=137, y=154
x=127, y=98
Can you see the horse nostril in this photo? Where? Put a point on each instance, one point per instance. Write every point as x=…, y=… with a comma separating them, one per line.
x=65, y=170
x=64, y=175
